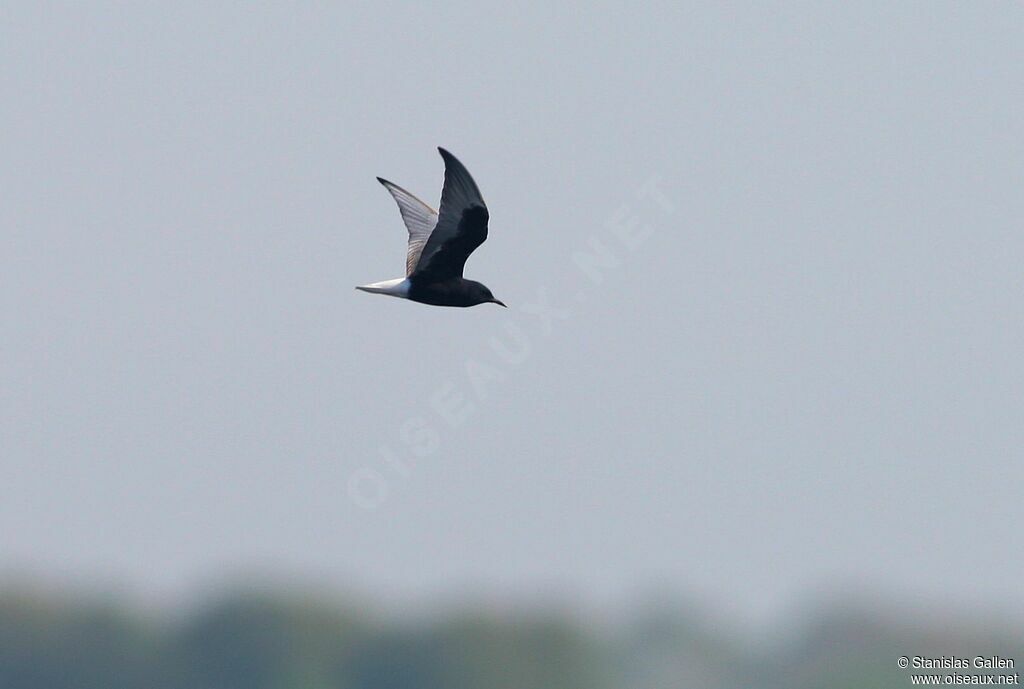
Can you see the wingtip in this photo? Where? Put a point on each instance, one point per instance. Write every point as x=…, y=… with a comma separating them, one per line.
x=448, y=157
x=383, y=181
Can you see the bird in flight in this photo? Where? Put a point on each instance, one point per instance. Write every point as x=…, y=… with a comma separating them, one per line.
x=440, y=242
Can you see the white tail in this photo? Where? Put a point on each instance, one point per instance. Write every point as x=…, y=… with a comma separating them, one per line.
x=399, y=287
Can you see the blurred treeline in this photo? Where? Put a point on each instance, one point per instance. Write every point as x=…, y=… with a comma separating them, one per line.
x=266, y=639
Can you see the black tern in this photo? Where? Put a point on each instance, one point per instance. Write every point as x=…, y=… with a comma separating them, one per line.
x=440, y=242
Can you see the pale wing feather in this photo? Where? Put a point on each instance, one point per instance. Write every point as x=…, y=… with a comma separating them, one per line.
x=459, y=194
x=420, y=219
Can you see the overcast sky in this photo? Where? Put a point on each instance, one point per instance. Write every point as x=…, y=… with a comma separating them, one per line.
x=763, y=268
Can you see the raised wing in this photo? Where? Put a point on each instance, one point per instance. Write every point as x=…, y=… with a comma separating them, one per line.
x=461, y=224
x=419, y=219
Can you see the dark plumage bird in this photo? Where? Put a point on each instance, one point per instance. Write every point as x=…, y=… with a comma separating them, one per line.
x=440, y=242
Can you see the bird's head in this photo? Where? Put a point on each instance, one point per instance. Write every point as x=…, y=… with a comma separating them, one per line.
x=482, y=295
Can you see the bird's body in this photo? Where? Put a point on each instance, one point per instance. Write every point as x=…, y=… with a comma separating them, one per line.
x=440, y=242
x=451, y=292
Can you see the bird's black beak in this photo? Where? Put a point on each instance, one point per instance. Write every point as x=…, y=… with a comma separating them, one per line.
x=498, y=302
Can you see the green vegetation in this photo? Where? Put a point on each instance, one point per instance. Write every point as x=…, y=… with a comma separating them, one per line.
x=280, y=641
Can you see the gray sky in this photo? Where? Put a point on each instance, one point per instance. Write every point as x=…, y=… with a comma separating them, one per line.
x=802, y=370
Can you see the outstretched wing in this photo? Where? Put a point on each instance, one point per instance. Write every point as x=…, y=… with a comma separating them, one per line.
x=461, y=224
x=419, y=219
